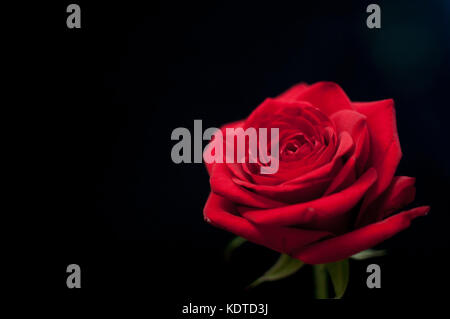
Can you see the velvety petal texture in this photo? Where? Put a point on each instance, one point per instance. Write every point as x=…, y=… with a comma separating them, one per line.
x=333, y=193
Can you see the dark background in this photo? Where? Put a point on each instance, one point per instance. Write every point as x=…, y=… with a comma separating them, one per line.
x=111, y=199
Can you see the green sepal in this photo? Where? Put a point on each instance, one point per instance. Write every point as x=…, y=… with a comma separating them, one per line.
x=284, y=267
x=232, y=246
x=339, y=272
x=368, y=253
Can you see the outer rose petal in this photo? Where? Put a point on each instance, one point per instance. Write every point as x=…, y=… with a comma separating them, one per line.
x=344, y=246
x=219, y=212
x=350, y=121
x=265, y=113
x=294, y=193
x=385, y=151
x=291, y=94
x=326, y=96
x=209, y=162
x=223, y=185
x=330, y=213
x=400, y=193
x=355, y=124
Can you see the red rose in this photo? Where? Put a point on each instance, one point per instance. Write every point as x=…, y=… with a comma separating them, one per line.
x=334, y=193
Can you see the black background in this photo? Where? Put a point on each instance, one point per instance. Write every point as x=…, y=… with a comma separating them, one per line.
x=111, y=200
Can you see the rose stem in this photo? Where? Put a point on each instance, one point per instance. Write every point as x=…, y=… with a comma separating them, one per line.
x=320, y=280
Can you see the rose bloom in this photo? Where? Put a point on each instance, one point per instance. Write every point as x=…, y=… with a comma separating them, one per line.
x=334, y=193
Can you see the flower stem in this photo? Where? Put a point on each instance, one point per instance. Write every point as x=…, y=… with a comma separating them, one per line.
x=320, y=281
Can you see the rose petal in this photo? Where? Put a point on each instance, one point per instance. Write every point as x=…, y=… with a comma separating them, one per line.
x=385, y=151
x=208, y=161
x=400, y=193
x=220, y=212
x=323, y=213
x=346, y=245
x=344, y=178
x=326, y=96
x=345, y=146
x=355, y=124
x=311, y=183
x=349, y=121
x=223, y=185
x=294, y=193
x=272, y=110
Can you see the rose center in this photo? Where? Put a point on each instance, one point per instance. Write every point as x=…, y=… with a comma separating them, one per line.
x=291, y=148
x=295, y=148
